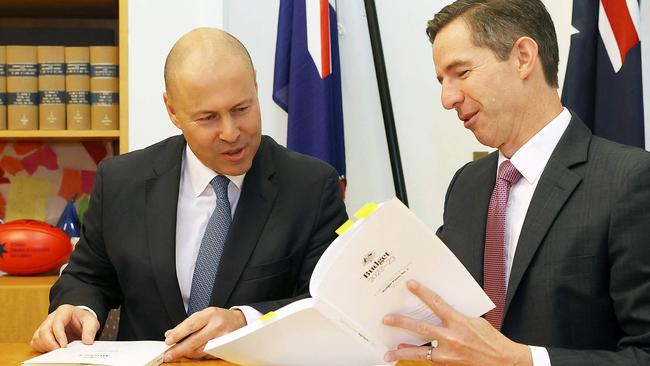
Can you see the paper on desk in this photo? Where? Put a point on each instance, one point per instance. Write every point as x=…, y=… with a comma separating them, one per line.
x=140, y=353
x=298, y=334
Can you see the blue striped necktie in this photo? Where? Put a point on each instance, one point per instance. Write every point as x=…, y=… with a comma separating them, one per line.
x=212, y=244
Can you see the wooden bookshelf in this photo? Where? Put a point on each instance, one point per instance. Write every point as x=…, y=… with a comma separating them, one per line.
x=124, y=75
x=59, y=8
x=82, y=15
x=59, y=134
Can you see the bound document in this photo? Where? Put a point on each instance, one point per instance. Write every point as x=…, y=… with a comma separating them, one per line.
x=3, y=88
x=22, y=87
x=51, y=87
x=359, y=279
x=141, y=353
x=104, y=87
x=77, y=88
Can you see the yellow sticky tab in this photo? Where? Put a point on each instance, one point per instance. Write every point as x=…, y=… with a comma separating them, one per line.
x=343, y=228
x=366, y=210
x=268, y=316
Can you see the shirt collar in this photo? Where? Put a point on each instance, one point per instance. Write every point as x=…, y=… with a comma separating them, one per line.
x=200, y=175
x=532, y=157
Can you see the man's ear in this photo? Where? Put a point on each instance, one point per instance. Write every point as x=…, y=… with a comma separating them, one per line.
x=526, y=54
x=170, y=110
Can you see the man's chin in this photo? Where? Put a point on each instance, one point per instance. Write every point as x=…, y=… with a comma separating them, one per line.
x=233, y=169
x=484, y=140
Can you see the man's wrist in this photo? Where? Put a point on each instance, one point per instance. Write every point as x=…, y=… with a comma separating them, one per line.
x=239, y=315
x=521, y=356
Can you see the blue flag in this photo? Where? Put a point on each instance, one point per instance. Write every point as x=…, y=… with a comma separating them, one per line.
x=603, y=82
x=307, y=80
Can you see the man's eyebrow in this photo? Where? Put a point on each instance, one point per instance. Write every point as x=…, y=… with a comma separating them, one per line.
x=457, y=63
x=243, y=102
x=200, y=112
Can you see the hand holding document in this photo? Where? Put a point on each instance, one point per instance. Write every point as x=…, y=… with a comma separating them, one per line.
x=359, y=279
x=142, y=353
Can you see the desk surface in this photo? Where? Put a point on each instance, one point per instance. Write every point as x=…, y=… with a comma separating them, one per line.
x=28, y=281
x=24, y=302
x=12, y=354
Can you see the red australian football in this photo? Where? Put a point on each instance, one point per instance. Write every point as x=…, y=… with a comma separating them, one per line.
x=30, y=247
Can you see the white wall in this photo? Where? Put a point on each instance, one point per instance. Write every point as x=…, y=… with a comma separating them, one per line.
x=154, y=26
x=433, y=142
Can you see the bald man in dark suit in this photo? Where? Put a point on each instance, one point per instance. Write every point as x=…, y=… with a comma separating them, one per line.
x=142, y=236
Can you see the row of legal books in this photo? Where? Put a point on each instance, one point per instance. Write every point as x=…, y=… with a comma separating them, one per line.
x=58, y=88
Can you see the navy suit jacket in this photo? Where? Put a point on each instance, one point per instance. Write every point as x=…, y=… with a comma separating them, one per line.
x=580, y=280
x=289, y=208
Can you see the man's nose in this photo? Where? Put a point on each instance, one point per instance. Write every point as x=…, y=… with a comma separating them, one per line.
x=450, y=96
x=229, y=130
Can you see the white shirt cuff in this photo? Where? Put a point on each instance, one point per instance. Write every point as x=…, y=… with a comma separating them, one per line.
x=88, y=309
x=250, y=313
x=540, y=356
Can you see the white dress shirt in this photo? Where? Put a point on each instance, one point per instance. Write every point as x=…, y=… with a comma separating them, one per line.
x=196, y=201
x=530, y=160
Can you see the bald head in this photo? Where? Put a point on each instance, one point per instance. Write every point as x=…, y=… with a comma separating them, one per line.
x=202, y=49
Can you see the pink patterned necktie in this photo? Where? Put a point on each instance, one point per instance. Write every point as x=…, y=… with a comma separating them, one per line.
x=494, y=262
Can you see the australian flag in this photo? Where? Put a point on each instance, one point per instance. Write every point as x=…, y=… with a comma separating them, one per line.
x=307, y=80
x=603, y=82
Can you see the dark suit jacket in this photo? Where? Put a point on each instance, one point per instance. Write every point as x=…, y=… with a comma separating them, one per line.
x=289, y=208
x=580, y=280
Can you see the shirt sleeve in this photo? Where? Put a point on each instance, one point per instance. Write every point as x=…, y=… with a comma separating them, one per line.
x=88, y=309
x=250, y=313
x=540, y=356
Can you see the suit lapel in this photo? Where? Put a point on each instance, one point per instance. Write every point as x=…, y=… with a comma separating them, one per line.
x=255, y=204
x=480, y=189
x=160, y=220
x=556, y=185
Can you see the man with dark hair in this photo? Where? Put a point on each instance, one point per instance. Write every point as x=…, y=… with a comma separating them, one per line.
x=555, y=224
x=497, y=25
x=199, y=234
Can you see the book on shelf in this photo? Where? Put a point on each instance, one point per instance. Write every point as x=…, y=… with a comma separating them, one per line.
x=359, y=279
x=3, y=88
x=22, y=87
x=104, y=353
x=104, y=87
x=77, y=88
x=51, y=87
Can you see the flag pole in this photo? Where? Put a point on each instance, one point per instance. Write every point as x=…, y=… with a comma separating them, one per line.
x=386, y=103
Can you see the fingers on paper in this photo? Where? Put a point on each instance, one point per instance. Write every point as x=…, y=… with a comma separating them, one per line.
x=437, y=304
